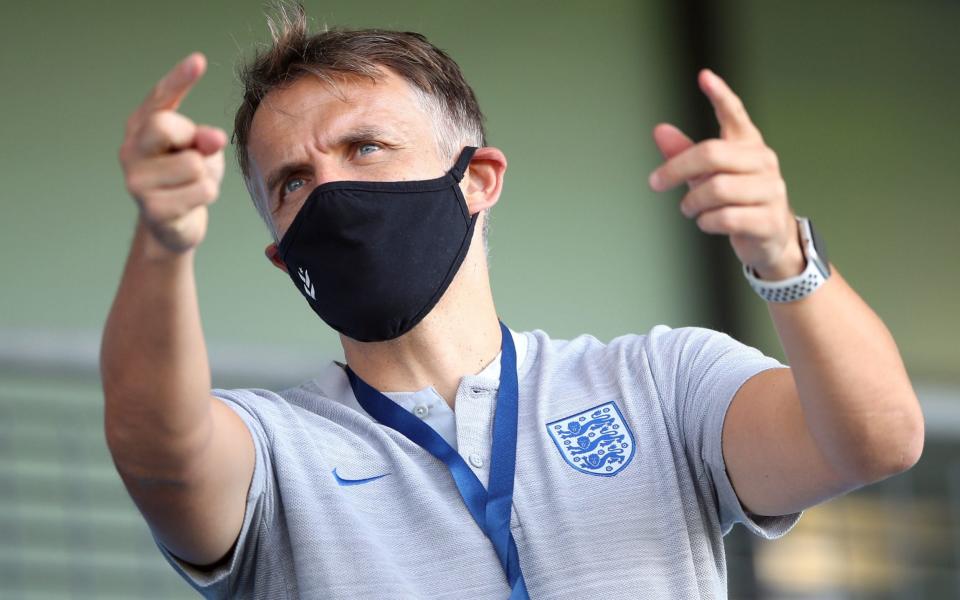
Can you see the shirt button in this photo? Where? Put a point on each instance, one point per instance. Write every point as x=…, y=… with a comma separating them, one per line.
x=476, y=460
x=421, y=410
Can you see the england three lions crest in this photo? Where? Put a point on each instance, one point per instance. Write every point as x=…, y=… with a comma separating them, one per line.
x=596, y=441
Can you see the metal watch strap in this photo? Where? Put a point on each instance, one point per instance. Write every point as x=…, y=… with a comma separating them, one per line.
x=799, y=286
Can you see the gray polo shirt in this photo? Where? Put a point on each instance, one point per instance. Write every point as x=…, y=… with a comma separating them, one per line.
x=620, y=484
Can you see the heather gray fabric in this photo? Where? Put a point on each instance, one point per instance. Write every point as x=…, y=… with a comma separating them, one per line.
x=650, y=529
x=427, y=404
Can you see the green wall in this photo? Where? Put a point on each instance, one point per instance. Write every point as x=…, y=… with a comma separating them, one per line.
x=862, y=102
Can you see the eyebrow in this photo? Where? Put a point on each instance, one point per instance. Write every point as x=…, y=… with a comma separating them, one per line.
x=354, y=136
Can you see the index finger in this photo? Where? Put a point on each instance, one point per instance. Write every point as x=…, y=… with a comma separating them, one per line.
x=173, y=87
x=734, y=121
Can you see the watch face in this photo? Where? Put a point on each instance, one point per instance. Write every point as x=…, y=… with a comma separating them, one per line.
x=823, y=263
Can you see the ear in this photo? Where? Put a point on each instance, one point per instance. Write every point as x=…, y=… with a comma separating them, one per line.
x=273, y=255
x=483, y=180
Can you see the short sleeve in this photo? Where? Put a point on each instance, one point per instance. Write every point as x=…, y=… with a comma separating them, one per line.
x=704, y=369
x=227, y=578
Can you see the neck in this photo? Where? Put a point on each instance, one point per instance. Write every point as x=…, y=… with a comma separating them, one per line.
x=459, y=337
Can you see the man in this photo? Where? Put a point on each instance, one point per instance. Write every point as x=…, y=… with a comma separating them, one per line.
x=450, y=456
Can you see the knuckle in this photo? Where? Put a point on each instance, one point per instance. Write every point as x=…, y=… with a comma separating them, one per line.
x=688, y=206
x=725, y=220
x=167, y=212
x=720, y=187
x=159, y=121
x=668, y=174
x=218, y=161
x=123, y=154
x=160, y=207
x=129, y=152
x=209, y=189
x=134, y=182
x=194, y=164
x=771, y=159
x=707, y=221
x=176, y=213
x=131, y=124
x=713, y=151
x=164, y=124
x=152, y=207
x=780, y=187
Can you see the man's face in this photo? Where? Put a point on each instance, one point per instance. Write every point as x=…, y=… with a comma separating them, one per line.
x=308, y=134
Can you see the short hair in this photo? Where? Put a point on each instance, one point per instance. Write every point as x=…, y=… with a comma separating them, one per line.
x=329, y=55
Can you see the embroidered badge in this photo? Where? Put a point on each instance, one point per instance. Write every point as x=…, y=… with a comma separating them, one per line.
x=596, y=441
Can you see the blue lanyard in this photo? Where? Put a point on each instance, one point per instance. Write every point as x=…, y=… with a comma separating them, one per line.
x=490, y=508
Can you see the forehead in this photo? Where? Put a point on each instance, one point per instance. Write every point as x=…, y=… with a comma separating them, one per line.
x=314, y=111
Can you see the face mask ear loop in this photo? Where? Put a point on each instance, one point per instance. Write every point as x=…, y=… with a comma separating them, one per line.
x=463, y=162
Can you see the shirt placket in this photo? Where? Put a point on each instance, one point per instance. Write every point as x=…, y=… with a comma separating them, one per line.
x=474, y=416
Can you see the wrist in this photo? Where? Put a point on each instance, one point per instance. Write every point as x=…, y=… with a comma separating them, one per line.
x=151, y=248
x=784, y=282
x=790, y=264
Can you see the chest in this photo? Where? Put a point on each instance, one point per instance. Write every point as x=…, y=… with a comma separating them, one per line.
x=601, y=487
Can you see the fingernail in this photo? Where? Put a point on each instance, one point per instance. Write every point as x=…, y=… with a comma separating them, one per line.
x=188, y=66
x=656, y=182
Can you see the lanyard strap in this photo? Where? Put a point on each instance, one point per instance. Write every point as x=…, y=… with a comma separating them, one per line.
x=490, y=508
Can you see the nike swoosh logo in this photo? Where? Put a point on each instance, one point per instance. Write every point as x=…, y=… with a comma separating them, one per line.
x=342, y=481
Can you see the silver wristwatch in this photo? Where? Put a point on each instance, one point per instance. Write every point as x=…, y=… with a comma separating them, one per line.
x=814, y=275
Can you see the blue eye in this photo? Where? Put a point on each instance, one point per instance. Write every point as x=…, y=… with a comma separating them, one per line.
x=293, y=185
x=365, y=149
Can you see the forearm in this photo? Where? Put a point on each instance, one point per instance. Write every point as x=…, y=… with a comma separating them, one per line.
x=854, y=390
x=154, y=365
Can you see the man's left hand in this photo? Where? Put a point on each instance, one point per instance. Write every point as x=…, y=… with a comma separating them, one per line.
x=736, y=188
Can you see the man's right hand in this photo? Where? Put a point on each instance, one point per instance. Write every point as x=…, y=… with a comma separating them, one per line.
x=172, y=166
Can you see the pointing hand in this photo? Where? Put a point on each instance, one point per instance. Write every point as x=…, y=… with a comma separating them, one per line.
x=735, y=185
x=172, y=166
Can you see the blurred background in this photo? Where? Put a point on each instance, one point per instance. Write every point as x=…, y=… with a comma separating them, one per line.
x=859, y=99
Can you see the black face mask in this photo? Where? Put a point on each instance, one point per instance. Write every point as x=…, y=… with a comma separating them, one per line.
x=372, y=258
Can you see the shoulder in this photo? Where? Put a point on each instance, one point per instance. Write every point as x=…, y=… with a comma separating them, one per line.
x=268, y=409
x=320, y=412
x=660, y=343
x=264, y=405
x=662, y=360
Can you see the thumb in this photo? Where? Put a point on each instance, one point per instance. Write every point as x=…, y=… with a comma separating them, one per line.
x=209, y=140
x=670, y=140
